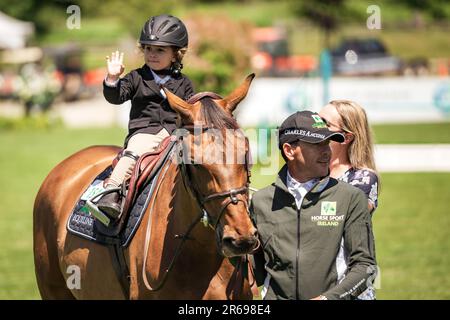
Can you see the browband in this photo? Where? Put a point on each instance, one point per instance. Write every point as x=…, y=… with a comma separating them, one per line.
x=197, y=97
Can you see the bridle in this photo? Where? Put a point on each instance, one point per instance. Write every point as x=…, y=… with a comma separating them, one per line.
x=231, y=194
x=204, y=217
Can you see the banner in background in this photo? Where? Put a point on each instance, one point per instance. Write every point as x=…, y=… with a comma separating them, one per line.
x=386, y=100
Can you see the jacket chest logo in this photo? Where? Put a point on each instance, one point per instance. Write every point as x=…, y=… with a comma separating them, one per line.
x=328, y=208
x=328, y=215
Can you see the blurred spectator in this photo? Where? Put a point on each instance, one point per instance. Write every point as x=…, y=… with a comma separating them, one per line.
x=36, y=87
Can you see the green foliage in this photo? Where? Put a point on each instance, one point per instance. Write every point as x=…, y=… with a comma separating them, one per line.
x=131, y=15
x=327, y=14
x=45, y=14
x=50, y=16
x=219, y=52
x=37, y=86
x=259, y=13
x=93, y=32
x=436, y=8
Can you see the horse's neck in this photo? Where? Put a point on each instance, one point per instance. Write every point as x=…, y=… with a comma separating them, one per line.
x=177, y=214
x=184, y=205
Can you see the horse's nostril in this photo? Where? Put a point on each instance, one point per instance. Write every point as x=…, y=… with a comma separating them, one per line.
x=241, y=243
x=232, y=246
x=228, y=241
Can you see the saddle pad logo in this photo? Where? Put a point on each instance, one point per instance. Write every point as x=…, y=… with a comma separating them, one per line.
x=328, y=208
x=95, y=188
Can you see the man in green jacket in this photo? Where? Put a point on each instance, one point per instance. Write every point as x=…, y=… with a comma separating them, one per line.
x=315, y=232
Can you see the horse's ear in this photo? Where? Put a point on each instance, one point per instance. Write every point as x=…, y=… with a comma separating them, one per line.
x=233, y=99
x=183, y=108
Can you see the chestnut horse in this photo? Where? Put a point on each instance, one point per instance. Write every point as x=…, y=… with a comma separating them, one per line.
x=202, y=267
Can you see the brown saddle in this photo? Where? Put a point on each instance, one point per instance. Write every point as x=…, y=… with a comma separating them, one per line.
x=146, y=166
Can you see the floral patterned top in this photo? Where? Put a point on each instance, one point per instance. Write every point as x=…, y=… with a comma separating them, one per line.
x=367, y=181
x=364, y=179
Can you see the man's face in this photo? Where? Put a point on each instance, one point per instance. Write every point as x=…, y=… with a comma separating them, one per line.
x=308, y=160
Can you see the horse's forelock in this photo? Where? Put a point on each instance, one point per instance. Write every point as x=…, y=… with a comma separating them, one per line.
x=215, y=116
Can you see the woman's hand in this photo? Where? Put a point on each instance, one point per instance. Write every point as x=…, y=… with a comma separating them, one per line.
x=115, y=66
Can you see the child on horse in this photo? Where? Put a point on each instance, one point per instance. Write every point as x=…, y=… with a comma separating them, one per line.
x=163, y=41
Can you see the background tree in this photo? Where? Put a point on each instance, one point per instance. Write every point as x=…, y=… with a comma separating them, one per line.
x=328, y=15
x=437, y=9
x=131, y=14
x=219, y=52
x=45, y=14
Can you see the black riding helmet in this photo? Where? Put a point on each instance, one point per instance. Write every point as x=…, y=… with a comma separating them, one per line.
x=164, y=30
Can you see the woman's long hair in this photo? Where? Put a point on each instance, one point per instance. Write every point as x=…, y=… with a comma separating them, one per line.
x=354, y=120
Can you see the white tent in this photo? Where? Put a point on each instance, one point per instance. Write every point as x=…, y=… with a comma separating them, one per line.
x=14, y=33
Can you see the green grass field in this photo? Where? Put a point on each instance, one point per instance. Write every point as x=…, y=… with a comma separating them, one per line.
x=412, y=133
x=411, y=224
x=26, y=158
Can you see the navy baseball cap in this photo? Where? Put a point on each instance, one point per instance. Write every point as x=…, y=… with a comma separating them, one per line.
x=306, y=126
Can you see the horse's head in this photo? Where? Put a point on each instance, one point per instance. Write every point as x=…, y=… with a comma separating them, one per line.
x=217, y=167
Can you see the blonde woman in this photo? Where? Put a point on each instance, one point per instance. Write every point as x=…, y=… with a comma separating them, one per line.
x=352, y=161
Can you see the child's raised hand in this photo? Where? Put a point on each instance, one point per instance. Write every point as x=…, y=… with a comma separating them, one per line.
x=115, y=65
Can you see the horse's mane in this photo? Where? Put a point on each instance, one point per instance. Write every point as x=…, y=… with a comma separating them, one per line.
x=216, y=117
